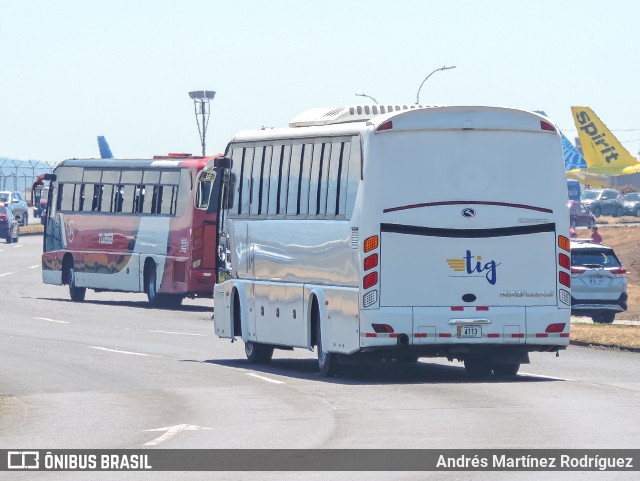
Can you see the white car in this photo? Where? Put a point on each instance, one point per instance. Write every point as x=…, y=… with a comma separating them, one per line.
x=598, y=282
x=15, y=201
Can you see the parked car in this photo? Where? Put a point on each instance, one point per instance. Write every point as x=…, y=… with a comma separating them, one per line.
x=579, y=215
x=603, y=202
x=631, y=203
x=17, y=204
x=598, y=282
x=9, y=229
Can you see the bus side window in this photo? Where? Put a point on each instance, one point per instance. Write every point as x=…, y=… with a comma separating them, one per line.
x=333, y=187
x=276, y=167
x=305, y=173
x=294, y=180
x=256, y=187
x=265, y=178
x=138, y=199
x=283, y=180
x=314, y=179
x=106, y=198
x=65, y=197
x=237, y=170
x=323, y=179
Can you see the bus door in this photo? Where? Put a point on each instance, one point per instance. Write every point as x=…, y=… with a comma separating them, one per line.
x=52, y=239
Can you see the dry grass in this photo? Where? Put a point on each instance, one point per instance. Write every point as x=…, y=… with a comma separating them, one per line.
x=607, y=334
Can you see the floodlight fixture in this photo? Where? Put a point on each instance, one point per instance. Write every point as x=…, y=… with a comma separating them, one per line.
x=201, y=100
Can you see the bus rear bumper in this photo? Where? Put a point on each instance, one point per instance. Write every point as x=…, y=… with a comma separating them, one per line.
x=542, y=326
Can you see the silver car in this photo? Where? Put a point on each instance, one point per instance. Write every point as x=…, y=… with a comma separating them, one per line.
x=598, y=282
x=15, y=201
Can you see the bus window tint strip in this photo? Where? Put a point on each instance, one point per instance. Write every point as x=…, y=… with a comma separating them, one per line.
x=467, y=233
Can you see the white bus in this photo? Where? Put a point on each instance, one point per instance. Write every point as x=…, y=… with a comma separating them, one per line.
x=395, y=232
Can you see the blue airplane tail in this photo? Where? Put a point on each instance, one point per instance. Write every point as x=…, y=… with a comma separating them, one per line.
x=105, y=150
x=572, y=158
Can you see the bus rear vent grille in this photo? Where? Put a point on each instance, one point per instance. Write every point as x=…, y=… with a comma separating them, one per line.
x=354, y=238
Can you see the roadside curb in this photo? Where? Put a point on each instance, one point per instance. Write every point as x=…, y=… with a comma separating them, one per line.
x=605, y=346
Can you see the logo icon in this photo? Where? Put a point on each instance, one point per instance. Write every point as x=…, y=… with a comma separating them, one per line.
x=468, y=212
x=23, y=460
x=473, y=266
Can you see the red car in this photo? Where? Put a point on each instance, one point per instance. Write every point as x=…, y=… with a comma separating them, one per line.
x=8, y=225
x=579, y=215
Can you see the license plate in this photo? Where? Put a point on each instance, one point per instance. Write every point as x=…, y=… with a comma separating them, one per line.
x=469, y=331
x=595, y=280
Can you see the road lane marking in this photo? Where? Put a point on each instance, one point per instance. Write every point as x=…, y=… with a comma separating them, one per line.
x=6, y=274
x=123, y=352
x=540, y=376
x=268, y=379
x=33, y=267
x=18, y=245
x=52, y=320
x=180, y=333
x=171, y=431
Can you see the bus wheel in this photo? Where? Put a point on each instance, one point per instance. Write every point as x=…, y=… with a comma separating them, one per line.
x=76, y=293
x=478, y=366
x=154, y=298
x=258, y=353
x=506, y=369
x=327, y=361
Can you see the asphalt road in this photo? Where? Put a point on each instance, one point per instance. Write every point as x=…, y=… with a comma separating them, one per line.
x=111, y=373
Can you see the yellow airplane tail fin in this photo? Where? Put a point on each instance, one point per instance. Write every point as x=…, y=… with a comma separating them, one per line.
x=599, y=146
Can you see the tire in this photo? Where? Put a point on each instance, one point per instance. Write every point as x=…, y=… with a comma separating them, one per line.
x=597, y=211
x=258, y=353
x=478, y=366
x=8, y=239
x=151, y=287
x=76, y=293
x=573, y=223
x=604, y=317
x=618, y=212
x=506, y=369
x=327, y=361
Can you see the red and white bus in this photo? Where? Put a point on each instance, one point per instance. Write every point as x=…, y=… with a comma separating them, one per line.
x=133, y=226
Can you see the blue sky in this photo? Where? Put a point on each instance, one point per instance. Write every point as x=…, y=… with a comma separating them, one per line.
x=71, y=70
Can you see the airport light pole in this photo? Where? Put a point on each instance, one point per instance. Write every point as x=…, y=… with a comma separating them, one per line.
x=368, y=96
x=201, y=104
x=427, y=77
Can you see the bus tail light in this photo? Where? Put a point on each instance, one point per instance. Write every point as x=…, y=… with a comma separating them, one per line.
x=547, y=126
x=565, y=279
x=371, y=243
x=382, y=328
x=370, y=280
x=388, y=125
x=558, y=327
x=563, y=243
x=564, y=261
x=370, y=262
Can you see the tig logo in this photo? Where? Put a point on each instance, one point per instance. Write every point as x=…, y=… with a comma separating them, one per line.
x=473, y=266
x=23, y=460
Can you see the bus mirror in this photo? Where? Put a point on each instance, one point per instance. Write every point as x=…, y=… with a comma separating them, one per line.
x=222, y=163
x=49, y=176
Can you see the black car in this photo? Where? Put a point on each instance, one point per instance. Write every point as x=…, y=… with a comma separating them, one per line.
x=603, y=202
x=8, y=225
x=631, y=202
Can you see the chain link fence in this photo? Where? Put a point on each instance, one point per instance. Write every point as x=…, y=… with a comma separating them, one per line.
x=17, y=175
